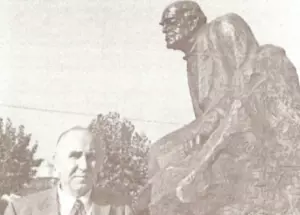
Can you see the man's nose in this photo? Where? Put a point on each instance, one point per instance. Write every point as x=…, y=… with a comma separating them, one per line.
x=82, y=163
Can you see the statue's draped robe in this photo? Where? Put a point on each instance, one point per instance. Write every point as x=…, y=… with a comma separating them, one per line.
x=220, y=67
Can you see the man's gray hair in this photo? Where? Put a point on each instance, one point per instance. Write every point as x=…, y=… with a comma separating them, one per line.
x=75, y=128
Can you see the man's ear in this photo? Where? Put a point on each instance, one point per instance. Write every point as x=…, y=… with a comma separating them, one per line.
x=55, y=165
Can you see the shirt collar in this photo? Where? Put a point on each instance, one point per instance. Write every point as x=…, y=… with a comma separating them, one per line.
x=67, y=201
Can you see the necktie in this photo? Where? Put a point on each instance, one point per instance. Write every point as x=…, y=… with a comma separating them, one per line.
x=78, y=208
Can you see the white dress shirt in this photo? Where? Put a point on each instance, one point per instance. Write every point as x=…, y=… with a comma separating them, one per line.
x=66, y=202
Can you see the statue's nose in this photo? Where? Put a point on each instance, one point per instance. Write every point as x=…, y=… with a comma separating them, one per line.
x=164, y=28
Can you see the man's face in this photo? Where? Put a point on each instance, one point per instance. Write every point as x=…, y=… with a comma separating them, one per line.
x=77, y=161
x=175, y=27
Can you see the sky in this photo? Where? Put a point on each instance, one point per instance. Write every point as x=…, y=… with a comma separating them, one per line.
x=99, y=56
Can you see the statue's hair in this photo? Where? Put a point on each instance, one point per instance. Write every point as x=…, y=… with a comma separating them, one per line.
x=191, y=8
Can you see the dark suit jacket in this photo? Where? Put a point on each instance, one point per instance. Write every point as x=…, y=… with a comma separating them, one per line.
x=46, y=203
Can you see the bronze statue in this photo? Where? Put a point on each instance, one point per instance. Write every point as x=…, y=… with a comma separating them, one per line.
x=220, y=162
x=217, y=55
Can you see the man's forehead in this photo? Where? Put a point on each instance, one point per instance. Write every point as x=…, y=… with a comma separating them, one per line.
x=78, y=134
x=76, y=139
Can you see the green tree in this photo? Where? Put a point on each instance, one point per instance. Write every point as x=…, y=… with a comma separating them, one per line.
x=17, y=161
x=125, y=165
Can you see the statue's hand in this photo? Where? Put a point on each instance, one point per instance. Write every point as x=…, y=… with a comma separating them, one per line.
x=192, y=144
x=211, y=121
x=200, y=133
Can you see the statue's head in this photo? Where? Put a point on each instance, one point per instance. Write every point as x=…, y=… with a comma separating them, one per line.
x=180, y=20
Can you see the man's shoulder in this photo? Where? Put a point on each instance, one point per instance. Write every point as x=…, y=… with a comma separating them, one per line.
x=34, y=197
x=25, y=204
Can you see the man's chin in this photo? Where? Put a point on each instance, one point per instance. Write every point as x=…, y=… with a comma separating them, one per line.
x=81, y=188
x=82, y=182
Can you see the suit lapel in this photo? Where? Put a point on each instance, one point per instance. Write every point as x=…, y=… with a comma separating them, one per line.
x=49, y=206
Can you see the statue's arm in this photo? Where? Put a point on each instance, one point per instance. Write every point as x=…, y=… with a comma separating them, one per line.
x=191, y=135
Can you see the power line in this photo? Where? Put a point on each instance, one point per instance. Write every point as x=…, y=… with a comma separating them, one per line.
x=79, y=113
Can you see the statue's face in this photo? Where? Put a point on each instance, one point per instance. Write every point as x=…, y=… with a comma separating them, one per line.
x=175, y=27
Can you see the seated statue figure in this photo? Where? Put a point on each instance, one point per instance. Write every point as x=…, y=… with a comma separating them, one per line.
x=217, y=54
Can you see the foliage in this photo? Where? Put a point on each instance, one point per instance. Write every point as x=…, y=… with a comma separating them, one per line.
x=17, y=162
x=125, y=165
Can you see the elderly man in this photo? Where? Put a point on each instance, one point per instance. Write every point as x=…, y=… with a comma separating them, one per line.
x=78, y=159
